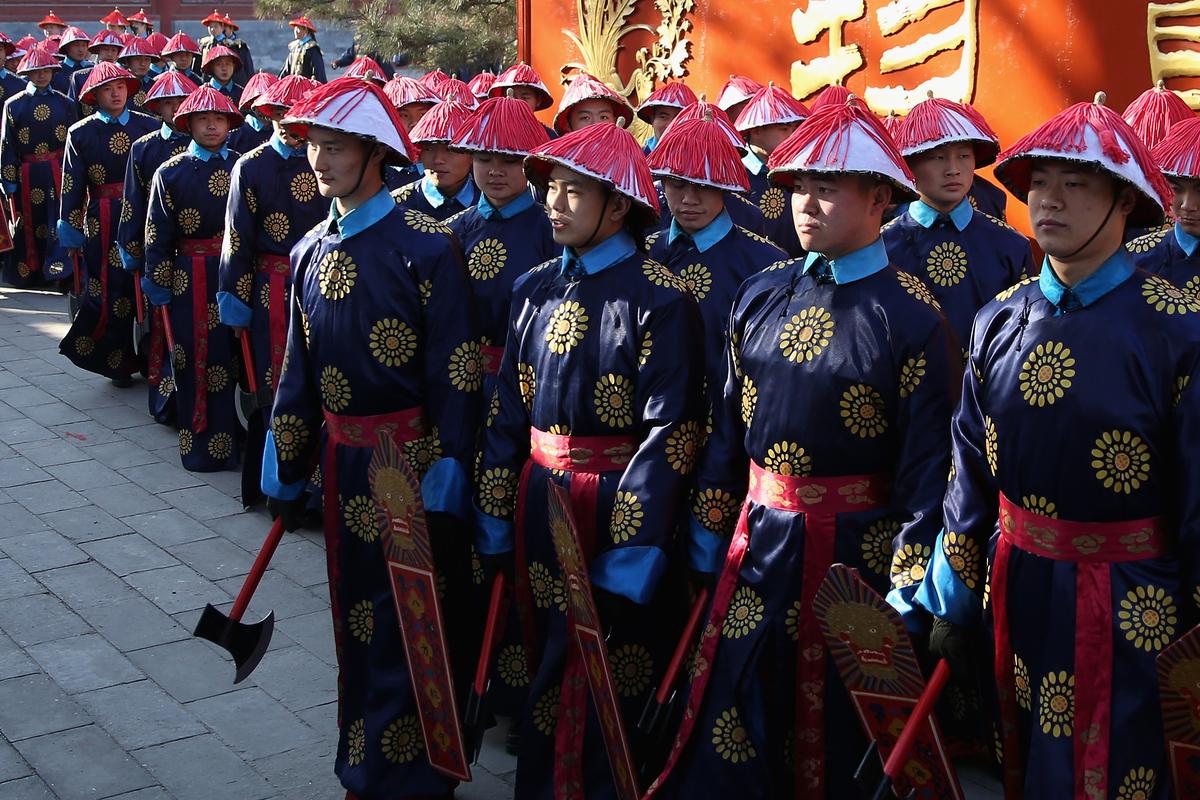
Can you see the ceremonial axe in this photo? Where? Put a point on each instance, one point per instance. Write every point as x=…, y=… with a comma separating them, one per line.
x=141, y=322
x=75, y=295
x=250, y=402
x=247, y=642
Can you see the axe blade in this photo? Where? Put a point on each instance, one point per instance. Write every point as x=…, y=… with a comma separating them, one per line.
x=245, y=407
x=72, y=306
x=247, y=642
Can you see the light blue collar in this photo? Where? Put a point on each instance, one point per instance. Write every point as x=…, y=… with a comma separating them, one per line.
x=71, y=63
x=156, y=69
x=4, y=73
x=853, y=266
x=122, y=119
x=204, y=155
x=1111, y=274
x=364, y=216
x=651, y=143
x=282, y=148
x=465, y=196
x=31, y=89
x=305, y=40
x=1187, y=243
x=227, y=88
x=254, y=122
x=926, y=215
x=507, y=211
x=220, y=37
x=612, y=250
x=707, y=236
x=753, y=162
x=168, y=133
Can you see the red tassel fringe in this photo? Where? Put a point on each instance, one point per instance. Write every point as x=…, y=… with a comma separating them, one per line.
x=698, y=150
x=828, y=132
x=1179, y=152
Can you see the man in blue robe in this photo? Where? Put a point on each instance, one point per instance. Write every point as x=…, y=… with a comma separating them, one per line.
x=447, y=187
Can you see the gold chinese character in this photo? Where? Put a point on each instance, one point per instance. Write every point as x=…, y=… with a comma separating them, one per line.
x=958, y=85
x=825, y=15
x=1181, y=63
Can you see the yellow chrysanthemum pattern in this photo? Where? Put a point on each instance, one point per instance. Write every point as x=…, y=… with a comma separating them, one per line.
x=1148, y=617
x=1121, y=461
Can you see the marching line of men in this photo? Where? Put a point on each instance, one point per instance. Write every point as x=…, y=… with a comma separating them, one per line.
x=767, y=302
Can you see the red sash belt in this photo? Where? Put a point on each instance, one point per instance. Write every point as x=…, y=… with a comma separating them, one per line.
x=54, y=157
x=492, y=356
x=276, y=268
x=1093, y=546
x=104, y=194
x=820, y=500
x=197, y=250
x=586, y=458
x=405, y=425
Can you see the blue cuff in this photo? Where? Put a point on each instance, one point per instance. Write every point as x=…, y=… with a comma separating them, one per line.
x=916, y=620
x=445, y=489
x=9, y=188
x=130, y=263
x=271, y=485
x=943, y=594
x=706, y=550
x=68, y=234
x=233, y=311
x=493, y=536
x=632, y=572
x=157, y=295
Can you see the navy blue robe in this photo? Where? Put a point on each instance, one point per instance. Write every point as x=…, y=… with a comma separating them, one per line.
x=412, y=196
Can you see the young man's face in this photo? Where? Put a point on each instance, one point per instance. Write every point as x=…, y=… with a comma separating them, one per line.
x=589, y=112
x=138, y=65
x=500, y=177
x=836, y=214
x=526, y=95
x=167, y=107
x=767, y=137
x=663, y=116
x=181, y=61
x=693, y=206
x=222, y=68
x=111, y=97
x=337, y=159
x=411, y=114
x=944, y=174
x=107, y=52
x=582, y=211
x=209, y=129
x=284, y=134
x=76, y=51
x=1185, y=205
x=50, y=31
x=215, y=29
x=40, y=78
x=445, y=169
x=1070, y=204
x=298, y=32
x=115, y=26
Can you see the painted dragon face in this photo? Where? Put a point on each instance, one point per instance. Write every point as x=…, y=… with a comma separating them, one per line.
x=870, y=635
x=1185, y=679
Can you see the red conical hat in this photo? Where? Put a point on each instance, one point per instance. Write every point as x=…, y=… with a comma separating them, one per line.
x=52, y=19
x=481, y=84
x=172, y=83
x=107, y=72
x=830, y=95
x=1178, y=154
x=105, y=38
x=228, y=20
x=607, y=153
x=584, y=87
x=220, y=51
x=737, y=89
x=354, y=106
x=158, y=41
x=367, y=69
x=521, y=74
x=27, y=43
x=215, y=16
x=1090, y=133
x=258, y=83
x=136, y=47
x=72, y=34
x=433, y=79
x=698, y=151
x=35, y=59
x=440, y=124
x=7, y=45
x=456, y=90
x=1153, y=113
x=770, y=105
x=670, y=95
x=935, y=122
x=180, y=43
x=303, y=22
x=140, y=16
x=206, y=98
x=403, y=91
x=285, y=93
x=702, y=109
x=891, y=123
x=841, y=139
x=501, y=125
x=114, y=17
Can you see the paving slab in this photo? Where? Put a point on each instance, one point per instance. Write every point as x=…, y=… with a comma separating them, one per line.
x=313, y=632
x=215, y=558
x=140, y=714
x=204, y=768
x=18, y=470
x=302, y=561
x=47, y=496
x=85, y=524
x=202, y=502
x=34, y=705
x=120, y=454
x=253, y=723
x=15, y=581
x=189, y=669
x=170, y=526
x=56, y=413
x=84, y=663
x=120, y=417
x=85, y=586
x=177, y=588
x=48, y=453
x=124, y=500
x=18, y=520
x=306, y=772
x=133, y=624
x=84, y=763
x=38, y=618
x=162, y=477
x=246, y=529
x=24, y=429
x=12, y=766
x=125, y=555
x=296, y=678
x=86, y=433
x=42, y=550
x=80, y=475
x=14, y=662
x=31, y=788
x=279, y=593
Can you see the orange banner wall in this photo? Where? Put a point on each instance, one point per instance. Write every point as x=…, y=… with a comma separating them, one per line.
x=1018, y=61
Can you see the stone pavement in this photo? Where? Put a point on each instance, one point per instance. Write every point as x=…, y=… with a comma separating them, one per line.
x=108, y=552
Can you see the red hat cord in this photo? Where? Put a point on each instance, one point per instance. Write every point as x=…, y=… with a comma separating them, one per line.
x=830, y=96
x=303, y=22
x=671, y=95
x=258, y=83
x=607, y=153
x=584, y=87
x=366, y=68
x=207, y=99
x=353, y=106
x=441, y=124
x=702, y=109
x=36, y=59
x=181, y=43
x=501, y=125
x=770, y=105
x=1178, y=154
x=220, y=51
x=171, y=83
x=699, y=151
x=114, y=17
x=891, y=123
x=107, y=72
x=521, y=74
x=456, y=90
x=285, y=92
x=937, y=121
x=1153, y=113
x=52, y=19
x=738, y=89
x=481, y=84
x=403, y=91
